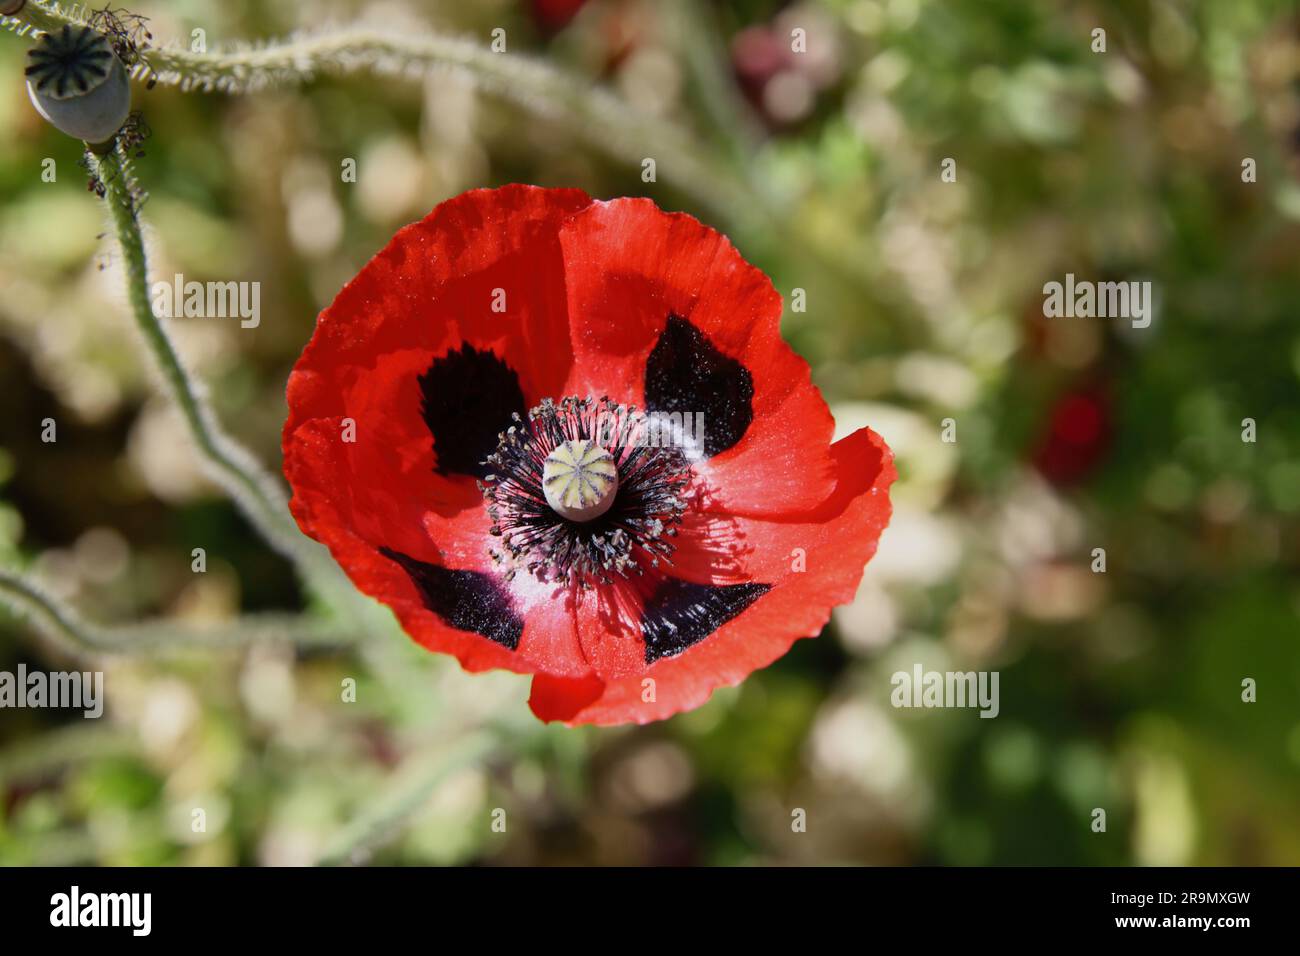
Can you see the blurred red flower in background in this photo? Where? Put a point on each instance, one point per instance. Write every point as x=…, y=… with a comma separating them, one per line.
x=555, y=14
x=1077, y=435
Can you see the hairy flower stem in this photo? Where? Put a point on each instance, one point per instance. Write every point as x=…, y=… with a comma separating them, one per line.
x=382, y=822
x=257, y=493
x=46, y=612
x=55, y=619
x=235, y=469
x=71, y=745
x=37, y=17
x=604, y=121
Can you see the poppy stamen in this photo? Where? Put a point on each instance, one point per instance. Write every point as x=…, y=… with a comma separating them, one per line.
x=578, y=493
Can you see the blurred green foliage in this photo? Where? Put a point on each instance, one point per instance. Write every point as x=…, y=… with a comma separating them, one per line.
x=1120, y=691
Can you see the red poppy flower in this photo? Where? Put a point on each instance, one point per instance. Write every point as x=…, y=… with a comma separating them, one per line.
x=564, y=437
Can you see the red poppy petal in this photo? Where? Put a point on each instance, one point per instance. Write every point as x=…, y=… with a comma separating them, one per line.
x=372, y=532
x=562, y=698
x=719, y=549
x=609, y=628
x=631, y=269
x=342, y=521
x=384, y=542
x=838, y=537
x=423, y=308
x=550, y=639
x=355, y=491
x=359, y=450
x=432, y=287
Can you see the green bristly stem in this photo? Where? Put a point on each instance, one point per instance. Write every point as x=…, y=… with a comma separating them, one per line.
x=590, y=113
x=258, y=495
x=40, y=18
x=68, y=746
x=233, y=467
x=256, y=492
x=603, y=120
x=51, y=616
x=383, y=820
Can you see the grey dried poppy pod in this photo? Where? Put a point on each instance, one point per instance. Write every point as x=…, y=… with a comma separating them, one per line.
x=78, y=83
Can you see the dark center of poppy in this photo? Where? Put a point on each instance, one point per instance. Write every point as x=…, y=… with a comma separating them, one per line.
x=583, y=491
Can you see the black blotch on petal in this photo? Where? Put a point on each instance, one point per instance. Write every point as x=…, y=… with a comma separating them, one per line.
x=469, y=397
x=687, y=373
x=680, y=613
x=467, y=600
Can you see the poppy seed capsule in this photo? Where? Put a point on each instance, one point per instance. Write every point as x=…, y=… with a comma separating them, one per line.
x=78, y=84
x=580, y=480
